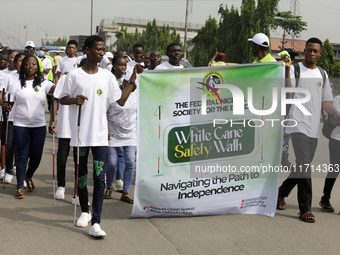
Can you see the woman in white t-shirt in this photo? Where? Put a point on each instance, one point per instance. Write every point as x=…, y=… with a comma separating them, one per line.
x=29, y=124
x=123, y=133
x=119, y=66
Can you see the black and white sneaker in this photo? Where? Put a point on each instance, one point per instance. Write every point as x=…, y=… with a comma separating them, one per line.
x=326, y=205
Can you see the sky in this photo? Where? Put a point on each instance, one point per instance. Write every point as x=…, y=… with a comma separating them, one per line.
x=62, y=18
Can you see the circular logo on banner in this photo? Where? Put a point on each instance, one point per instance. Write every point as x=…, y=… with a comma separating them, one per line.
x=36, y=89
x=212, y=78
x=99, y=92
x=319, y=84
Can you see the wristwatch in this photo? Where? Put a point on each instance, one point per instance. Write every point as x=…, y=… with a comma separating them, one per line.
x=134, y=85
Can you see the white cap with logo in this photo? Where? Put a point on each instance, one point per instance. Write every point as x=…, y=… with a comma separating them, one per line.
x=260, y=39
x=29, y=44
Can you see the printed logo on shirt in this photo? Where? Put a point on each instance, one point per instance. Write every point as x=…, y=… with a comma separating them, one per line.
x=82, y=152
x=319, y=84
x=75, y=65
x=36, y=89
x=99, y=92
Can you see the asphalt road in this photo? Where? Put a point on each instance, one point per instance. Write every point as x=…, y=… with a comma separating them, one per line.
x=34, y=225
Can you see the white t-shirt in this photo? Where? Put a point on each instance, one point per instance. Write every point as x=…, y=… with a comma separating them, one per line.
x=167, y=65
x=7, y=84
x=102, y=90
x=29, y=110
x=5, y=71
x=103, y=64
x=129, y=70
x=123, y=122
x=312, y=80
x=67, y=64
x=336, y=131
x=63, y=123
x=47, y=64
x=109, y=67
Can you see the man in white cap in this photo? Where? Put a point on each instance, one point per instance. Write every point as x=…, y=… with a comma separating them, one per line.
x=260, y=48
x=30, y=49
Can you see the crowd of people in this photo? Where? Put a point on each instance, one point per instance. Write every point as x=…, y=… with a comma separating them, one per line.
x=96, y=100
x=96, y=89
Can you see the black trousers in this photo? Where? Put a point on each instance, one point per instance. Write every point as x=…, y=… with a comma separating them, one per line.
x=304, y=149
x=62, y=154
x=334, y=159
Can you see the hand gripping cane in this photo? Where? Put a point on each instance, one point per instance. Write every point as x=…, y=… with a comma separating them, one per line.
x=53, y=135
x=76, y=193
x=7, y=113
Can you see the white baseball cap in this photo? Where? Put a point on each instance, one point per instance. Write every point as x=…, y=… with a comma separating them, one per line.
x=109, y=54
x=29, y=44
x=260, y=39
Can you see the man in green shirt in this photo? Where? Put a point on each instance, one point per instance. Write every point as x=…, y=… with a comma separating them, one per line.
x=260, y=48
x=50, y=74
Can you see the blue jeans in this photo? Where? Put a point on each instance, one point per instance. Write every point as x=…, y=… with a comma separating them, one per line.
x=99, y=167
x=129, y=159
x=120, y=166
x=29, y=143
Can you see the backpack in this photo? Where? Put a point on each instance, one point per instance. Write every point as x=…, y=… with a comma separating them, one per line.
x=327, y=126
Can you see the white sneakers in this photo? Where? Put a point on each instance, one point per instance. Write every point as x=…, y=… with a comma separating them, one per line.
x=118, y=185
x=8, y=178
x=96, y=231
x=74, y=200
x=60, y=193
x=78, y=203
x=83, y=220
x=2, y=174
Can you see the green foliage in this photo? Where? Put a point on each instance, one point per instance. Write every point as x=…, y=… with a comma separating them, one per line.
x=58, y=42
x=205, y=43
x=153, y=38
x=231, y=34
x=291, y=25
x=327, y=62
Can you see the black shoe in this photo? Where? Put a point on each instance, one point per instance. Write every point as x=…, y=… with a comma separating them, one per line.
x=326, y=205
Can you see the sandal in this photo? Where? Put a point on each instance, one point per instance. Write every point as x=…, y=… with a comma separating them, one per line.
x=20, y=193
x=307, y=217
x=108, y=193
x=126, y=199
x=281, y=204
x=30, y=184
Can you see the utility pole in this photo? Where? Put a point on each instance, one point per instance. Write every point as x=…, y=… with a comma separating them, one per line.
x=25, y=27
x=91, y=16
x=295, y=9
x=186, y=30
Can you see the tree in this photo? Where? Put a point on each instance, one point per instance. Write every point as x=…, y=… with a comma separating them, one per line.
x=205, y=42
x=153, y=37
x=291, y=25
x=327, y=62
x=58, y=42
x=233, y=30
